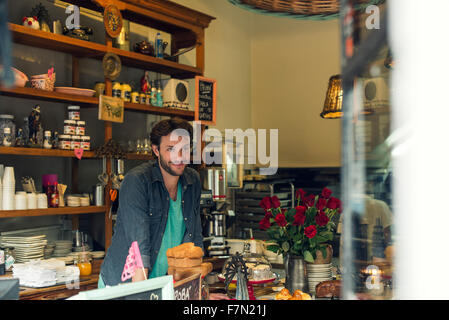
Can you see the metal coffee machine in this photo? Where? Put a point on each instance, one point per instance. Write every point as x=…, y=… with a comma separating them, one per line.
x=214, y=212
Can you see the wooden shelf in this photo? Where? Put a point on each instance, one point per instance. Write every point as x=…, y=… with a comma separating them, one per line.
x=138, y=156
x=30, y=93
x=87, y=49
x=43, y=152
x=51, y=211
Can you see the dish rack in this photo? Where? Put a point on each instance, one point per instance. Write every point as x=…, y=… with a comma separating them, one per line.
x=249, y=213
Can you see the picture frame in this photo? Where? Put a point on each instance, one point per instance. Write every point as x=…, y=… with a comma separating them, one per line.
x=111, y=109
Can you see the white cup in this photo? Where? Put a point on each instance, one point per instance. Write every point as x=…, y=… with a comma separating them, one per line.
x=20, y=202
x=8, y=175
x=31, y=201
x=42, y=201
x=8, y=201
x=2, y=169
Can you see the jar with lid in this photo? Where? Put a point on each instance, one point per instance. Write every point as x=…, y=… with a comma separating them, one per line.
x=74, y=113
x=76, y=142
x=7, y=121
x=47, y=140
x=70, y=127
x=65, y=142
x=142, y=98
x=126, y=92
x=7, y=137
x=135, y=97
x=85, y=142
x=80, y=128
x=99, y=88
x=117, y=90
x=83, y=261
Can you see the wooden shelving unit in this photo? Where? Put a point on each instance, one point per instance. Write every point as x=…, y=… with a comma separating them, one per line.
x=51, y=211
x=186, y=27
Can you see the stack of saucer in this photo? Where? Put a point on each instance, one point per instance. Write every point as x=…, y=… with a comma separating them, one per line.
x=317, y=273
x=97, y=254
x=62, y=248
x=73, y=201
x=48, y=250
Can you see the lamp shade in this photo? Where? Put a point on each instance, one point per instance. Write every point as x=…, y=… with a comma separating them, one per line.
x=334, y=98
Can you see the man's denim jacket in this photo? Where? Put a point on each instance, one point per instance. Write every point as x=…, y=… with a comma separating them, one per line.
x=142, y=217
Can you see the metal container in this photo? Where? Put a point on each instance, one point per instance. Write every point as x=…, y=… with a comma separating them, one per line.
x=99, y=195
x=122, y=41
x=219, y=191
x=218, y=224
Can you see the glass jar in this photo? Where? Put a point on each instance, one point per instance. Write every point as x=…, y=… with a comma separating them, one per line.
x=83, y=263
x=117, y=90
x=135, y=97
x=142, y=98
x=74, y=113
x=70, y=127
x=80, y=128
x=7, y=121
x=65, y=142
x=76, y=142
x=7, y=137
x=126, y=92
x=85, y=142
x=10, y=257
x=47, y=140
x=148, y=99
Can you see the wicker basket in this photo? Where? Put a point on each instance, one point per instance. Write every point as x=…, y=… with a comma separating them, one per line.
x=299, y=8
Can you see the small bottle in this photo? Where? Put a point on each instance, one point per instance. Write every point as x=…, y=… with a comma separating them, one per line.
x=47, y=140
x=153, y=95
x=54, y=198
x=48, y=192
x=158, y=46
x=55, y=140
x=159, y=98
x=135, y=97
x=142, y=98
x=7, y=137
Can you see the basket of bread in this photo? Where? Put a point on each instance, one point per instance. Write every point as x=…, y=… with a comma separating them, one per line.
x=186, y=260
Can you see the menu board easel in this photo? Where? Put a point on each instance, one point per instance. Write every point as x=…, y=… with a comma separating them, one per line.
x=205, y=100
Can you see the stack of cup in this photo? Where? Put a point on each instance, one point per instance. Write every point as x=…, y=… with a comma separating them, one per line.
x=42, y=202
x=2, y=169
x=31, y=201
x=9, y=188
x=21, y=201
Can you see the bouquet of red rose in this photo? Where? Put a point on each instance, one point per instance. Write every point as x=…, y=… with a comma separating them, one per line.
x=304, y=229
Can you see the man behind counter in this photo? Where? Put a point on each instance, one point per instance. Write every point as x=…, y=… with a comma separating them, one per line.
x=158, y=206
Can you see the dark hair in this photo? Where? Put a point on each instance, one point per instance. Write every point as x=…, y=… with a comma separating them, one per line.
x=165, y=127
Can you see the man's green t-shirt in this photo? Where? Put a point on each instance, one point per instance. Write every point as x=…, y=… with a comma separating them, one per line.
x=174, y=232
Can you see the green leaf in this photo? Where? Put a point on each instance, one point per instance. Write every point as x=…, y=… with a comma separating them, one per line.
x=312, y=243
x=273, y=248
x=308, y=256
x=320, y=239
x=324, y=252
x=285, y=246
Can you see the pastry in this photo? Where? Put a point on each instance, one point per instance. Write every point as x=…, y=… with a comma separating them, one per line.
x=182, y=273
x=284, y=294
x=328, y=289
x=185, y=250
x=184, y=262
x=261, y=272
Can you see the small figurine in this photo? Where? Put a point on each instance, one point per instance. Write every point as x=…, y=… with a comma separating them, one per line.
x=34, y=123
x=20, y=139
x=55, y=140
x=145, y=82
x=42, y=16
x=31, y=22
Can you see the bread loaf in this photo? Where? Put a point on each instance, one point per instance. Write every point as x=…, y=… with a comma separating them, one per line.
x=328, y=289
x=185, y=250
x=182, y=273
x=183, y=262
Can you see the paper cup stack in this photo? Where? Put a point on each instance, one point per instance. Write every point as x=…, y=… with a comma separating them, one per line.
x=317, y=273
x=8, y=189
x=42, y=202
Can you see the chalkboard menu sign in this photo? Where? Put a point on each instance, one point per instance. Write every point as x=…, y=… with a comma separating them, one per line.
x=205, y=100
x=188, y=288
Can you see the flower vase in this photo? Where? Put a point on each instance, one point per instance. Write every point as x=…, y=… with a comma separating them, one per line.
x=320, y=258
x=295, y=273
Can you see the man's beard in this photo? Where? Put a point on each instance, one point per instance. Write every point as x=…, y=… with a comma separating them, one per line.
x=165, y=165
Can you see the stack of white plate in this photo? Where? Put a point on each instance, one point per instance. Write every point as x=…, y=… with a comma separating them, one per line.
x=84, y=201
x=62, y=248
x=73, y=201
x=317, y=273
x=26, y=248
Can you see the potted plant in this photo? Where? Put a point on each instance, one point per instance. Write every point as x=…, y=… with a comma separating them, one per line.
x=301, y=233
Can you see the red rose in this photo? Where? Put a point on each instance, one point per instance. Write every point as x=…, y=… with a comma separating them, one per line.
x=280, y=220
x=321, y=204
x=265, y=203
x=300, y=216
x=264, y=224
x=310, y=232
x=326, y=193
x=321, y=219
x=300, y=194
x=275, y=202
x=268, y=214
x=309, y=200
x=333, y=203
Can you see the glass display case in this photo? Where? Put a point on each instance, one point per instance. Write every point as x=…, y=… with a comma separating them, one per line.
x=368, y=231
